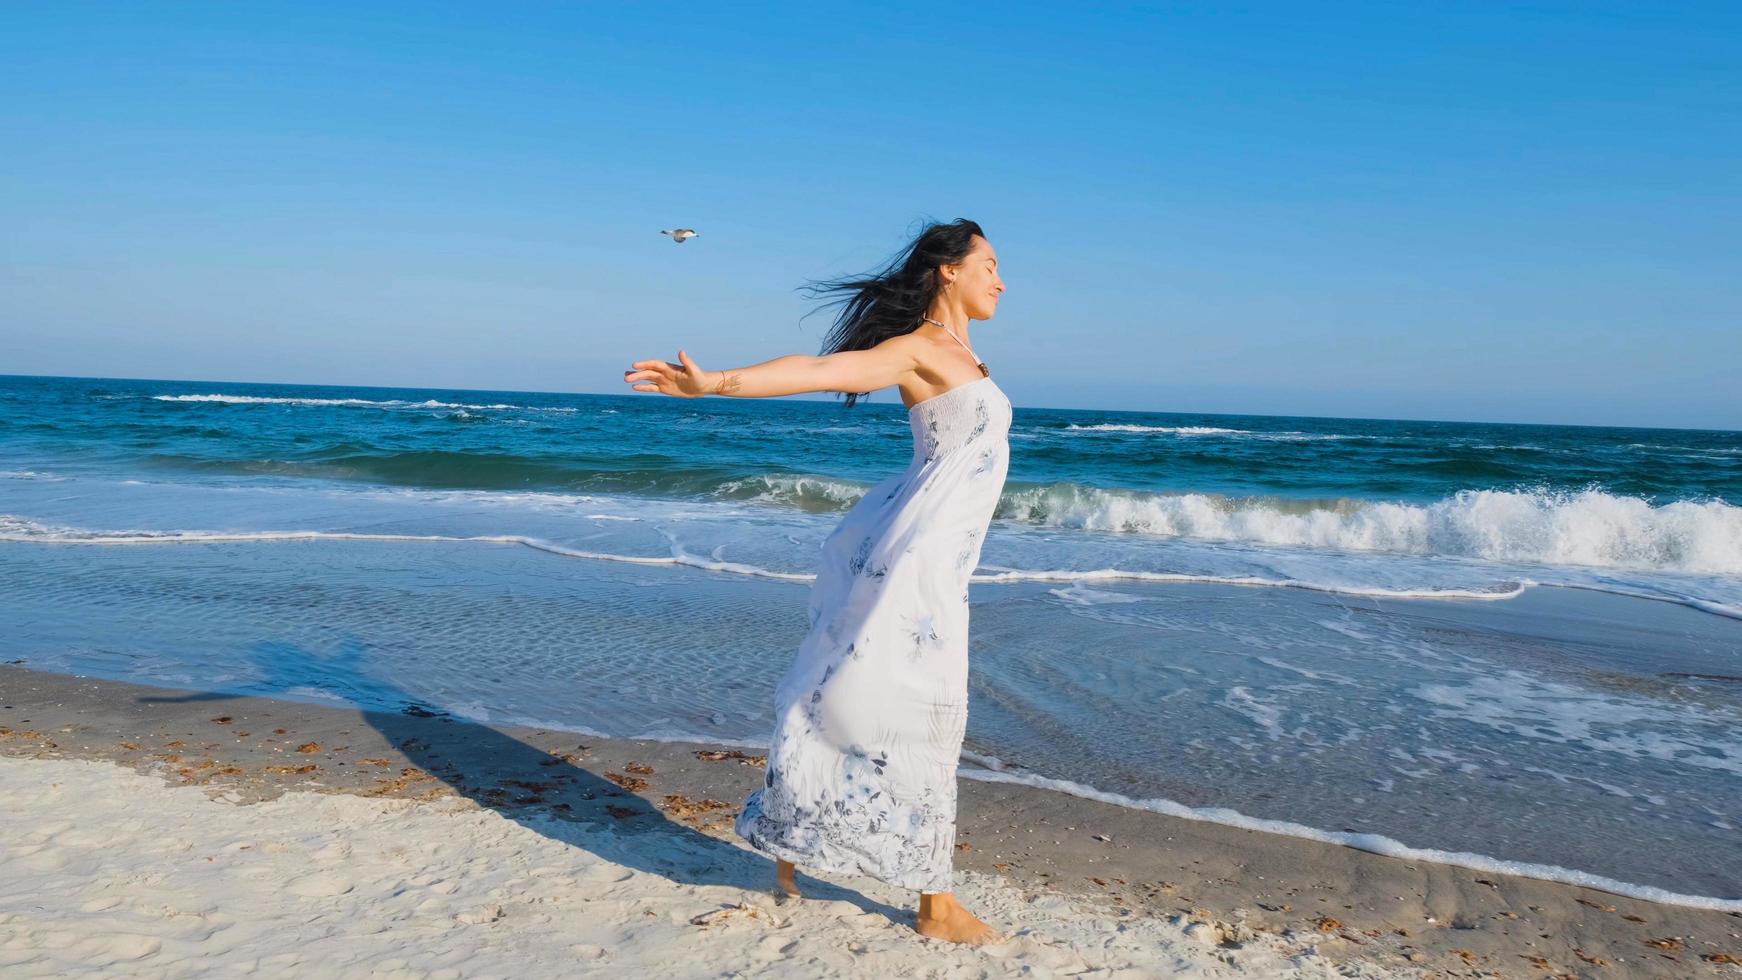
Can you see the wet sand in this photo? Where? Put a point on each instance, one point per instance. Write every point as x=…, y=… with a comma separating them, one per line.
x=1365, y=912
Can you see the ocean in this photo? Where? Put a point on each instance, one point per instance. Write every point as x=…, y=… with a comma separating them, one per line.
x=1515, y=647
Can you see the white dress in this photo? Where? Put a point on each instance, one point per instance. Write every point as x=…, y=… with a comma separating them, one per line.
x=861, y=774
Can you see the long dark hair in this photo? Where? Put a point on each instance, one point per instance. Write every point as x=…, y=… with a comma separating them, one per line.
x=891, y=301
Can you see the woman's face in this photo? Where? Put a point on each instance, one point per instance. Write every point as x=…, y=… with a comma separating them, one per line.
x=977, y=285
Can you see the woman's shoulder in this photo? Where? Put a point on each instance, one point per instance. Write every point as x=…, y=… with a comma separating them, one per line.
x=911, y=341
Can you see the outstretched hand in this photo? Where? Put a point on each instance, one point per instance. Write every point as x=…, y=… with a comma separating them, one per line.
x=685, y=379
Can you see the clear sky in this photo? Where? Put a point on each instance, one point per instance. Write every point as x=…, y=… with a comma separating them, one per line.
x=1481, y=211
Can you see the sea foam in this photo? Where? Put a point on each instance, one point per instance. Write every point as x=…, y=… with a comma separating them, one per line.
x=1188, y=431
x=351, y=402
x=1590, y=527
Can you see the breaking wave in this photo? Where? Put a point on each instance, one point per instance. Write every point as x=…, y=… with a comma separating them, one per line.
x=1587, y=527
x=351, y=402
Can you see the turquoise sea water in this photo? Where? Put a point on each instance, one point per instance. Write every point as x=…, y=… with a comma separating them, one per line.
x=1520, y=642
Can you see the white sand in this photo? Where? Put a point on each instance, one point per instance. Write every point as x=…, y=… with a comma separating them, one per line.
x=105, y=871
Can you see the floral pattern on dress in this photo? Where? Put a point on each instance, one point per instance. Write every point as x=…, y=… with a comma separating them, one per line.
x=870, y=716
x=970, y=548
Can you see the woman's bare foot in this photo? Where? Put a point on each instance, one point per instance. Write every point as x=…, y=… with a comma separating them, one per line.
x=783, y=871
x=941, y=918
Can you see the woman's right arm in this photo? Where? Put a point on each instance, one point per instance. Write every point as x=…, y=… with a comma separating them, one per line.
x=890, y=362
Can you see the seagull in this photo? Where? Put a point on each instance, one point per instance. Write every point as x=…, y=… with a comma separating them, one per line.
x=680, y=235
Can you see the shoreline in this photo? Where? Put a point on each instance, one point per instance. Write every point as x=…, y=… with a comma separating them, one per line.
x=1323, y=901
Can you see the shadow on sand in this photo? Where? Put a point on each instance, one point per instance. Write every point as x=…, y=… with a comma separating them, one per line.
x=537, y=789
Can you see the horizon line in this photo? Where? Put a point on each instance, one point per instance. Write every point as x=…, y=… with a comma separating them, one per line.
x=801, y=396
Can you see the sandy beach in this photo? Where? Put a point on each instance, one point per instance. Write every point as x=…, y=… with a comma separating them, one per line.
x=160, y=832
x=1218, y=491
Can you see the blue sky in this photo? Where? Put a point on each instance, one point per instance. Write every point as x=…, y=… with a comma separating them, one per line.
x=1518, y=212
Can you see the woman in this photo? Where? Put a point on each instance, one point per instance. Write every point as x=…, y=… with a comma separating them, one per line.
x=861, y=774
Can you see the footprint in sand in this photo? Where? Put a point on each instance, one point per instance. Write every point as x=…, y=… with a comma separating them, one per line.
x=100, y=904
x=256, y=871
x=82, y=839
x=49, y=830
x=319, y=886
x=101, y=951
x=605, y=874
x=335, y=853
x=480, y=915
x=587, y=951
x=42, y=857
x=778, y=945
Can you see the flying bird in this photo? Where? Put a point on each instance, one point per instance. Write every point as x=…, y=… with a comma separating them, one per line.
x=680, y=235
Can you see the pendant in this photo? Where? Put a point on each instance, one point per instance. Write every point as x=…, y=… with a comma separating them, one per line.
x=983, y=372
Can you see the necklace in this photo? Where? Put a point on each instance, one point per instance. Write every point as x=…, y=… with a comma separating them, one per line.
x=981, y=365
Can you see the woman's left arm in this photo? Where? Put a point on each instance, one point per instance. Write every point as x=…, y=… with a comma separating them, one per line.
x=790, y=374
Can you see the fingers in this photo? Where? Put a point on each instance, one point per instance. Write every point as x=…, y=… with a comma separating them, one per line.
x=654, y=376
x=659, y=376
x=661, y=372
